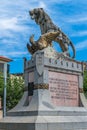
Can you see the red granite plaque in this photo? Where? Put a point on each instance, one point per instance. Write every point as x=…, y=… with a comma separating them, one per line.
x=63, y=89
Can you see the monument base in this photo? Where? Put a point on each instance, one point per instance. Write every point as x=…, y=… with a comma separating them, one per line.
x=43, y=115
x=41, y=105
x=44, y=123
x=53, y=97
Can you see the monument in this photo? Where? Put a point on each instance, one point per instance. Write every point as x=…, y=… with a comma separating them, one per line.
x=53, y=96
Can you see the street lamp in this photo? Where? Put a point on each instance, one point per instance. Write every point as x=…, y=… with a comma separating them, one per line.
x=4, y=61
x=5, y=83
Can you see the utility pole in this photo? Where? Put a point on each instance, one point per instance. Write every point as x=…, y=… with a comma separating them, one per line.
x=4, y=61
x=5, y=83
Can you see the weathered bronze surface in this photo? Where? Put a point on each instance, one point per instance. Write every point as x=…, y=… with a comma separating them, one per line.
x=50, y=32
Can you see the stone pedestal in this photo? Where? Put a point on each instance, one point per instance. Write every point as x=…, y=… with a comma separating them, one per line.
x=52, y=97
x=62, y=76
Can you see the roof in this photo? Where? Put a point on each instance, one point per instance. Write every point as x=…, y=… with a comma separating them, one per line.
x=2, y=58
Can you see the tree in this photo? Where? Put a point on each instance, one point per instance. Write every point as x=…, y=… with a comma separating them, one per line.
x=85, y=83
x=15, y=87
x=1, y=85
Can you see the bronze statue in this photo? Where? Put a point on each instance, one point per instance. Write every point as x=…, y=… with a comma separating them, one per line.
x=49, y=33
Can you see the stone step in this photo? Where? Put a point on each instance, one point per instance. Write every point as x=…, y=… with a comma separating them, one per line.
x=47, y=113
x=44, y=123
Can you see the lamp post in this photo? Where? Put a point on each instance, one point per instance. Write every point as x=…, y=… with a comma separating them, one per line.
x=4, y=61
x=5, y=82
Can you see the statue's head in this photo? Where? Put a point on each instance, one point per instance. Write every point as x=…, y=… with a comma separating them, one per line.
x=36, y=14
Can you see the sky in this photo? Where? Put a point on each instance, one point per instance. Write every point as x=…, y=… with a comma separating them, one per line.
x=16, y=27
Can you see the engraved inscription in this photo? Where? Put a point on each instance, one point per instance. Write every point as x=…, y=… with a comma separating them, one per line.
x=63, y=89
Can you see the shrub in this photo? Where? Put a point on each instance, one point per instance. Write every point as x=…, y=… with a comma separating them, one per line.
x=85, y=83
x=15, y=87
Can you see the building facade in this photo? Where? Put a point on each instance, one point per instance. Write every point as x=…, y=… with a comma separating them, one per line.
x=3, y=61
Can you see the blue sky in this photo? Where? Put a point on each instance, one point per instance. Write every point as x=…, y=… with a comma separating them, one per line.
x=16, y=26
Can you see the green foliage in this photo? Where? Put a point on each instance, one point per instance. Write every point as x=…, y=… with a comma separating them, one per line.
x=85, y=83
x=1, y=84
x=15, y=87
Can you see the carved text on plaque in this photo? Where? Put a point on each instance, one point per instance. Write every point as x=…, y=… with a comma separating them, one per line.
x=63, y=89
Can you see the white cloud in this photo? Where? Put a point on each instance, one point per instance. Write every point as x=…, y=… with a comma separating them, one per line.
x=77, y=19
x=13, y=53
x=10, y=24
x=42, y=4
x=60, y=1
x=16, y=26
x=81, y=45
x=79, y=34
